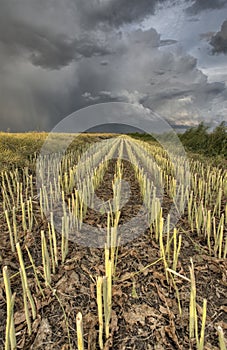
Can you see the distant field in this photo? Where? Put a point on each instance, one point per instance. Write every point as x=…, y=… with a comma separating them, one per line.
x=17, y=148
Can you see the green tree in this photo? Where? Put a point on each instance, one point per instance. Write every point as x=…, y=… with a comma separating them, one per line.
x=217, y=144
x=196, y=138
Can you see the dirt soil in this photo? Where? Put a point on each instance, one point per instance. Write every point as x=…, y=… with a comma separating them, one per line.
x=145, y=308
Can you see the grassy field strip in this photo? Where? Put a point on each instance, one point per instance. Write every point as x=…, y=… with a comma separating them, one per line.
x=82, y=197
x=18, y=189
x=166, y=185
x=19, y=183
x=87, y=177
x=204, y=202
x=174, y=174
x=207, y=208
x=148, y=189
x=104, y=283
x=62, y=164
x=156, y=220
x=18, y=192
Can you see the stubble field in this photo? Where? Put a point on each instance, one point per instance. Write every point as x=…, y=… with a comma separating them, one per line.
x=114, y=230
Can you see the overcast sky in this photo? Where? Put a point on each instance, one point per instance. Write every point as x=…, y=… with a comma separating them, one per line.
x=57, y=56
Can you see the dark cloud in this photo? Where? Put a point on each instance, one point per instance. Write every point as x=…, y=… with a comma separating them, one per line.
x=201, y=5
x=44, y=48
x=59, y=56
x=167, y=42
x=116, y=12
x=219, y=40
x=148, y=37
x=43, y=45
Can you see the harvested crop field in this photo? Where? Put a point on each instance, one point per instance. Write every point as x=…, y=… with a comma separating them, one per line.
x=118, y=230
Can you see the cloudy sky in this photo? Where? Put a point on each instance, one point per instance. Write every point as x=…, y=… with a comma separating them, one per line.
x=58, y=56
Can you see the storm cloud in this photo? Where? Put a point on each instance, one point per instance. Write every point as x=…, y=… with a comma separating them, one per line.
x=60, y=56
x=202, y=5
x=219, y=40
x=114, y=13
x=43, y=45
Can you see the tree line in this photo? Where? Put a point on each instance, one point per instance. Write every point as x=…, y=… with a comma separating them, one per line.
x=199, y=139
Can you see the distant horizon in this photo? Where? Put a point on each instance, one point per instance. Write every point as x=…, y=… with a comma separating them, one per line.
x=112, y=128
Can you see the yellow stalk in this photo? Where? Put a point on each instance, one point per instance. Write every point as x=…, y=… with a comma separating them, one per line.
x=26, y=308
x=46, y=260
x=10, y=338
x=10, y=231
x=100, y=310
x=202, y=334
x=109, y=296
x=162, y=250
x=51, y=248
x=34, y=269
x=54, y=239
x=23, y=217
x=15, y=225
x=79, y=328
x=221, y=338
x=24, y=275
x=193, y=325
